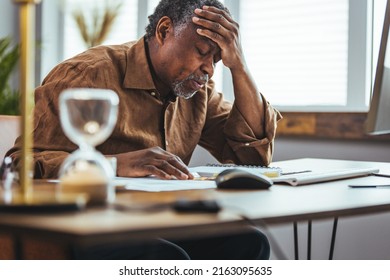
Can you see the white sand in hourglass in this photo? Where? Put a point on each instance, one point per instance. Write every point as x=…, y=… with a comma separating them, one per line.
x=88, y=179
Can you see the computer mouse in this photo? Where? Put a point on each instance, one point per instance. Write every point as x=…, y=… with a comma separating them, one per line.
x=241, y=180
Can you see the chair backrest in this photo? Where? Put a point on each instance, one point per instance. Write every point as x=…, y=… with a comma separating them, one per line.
x=9, y=131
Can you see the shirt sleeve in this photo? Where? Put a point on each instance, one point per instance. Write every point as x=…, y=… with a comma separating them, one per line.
x=48, y=154
x=230, y=139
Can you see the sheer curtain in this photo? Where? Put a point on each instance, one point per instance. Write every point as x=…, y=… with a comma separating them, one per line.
x=297, y=50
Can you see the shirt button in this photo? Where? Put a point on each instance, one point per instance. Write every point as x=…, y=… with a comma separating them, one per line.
x=153, y=93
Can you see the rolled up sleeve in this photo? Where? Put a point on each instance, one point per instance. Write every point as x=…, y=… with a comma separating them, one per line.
x=248, y=148
x=229, y=137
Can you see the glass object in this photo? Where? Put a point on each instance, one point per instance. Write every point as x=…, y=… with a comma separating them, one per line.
x=88, y=117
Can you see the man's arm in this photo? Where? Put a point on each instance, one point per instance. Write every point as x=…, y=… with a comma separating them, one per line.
x=51, y=146
x=218, y=26
x=46, y=163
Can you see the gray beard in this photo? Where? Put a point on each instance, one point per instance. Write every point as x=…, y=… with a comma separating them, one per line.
x=179, y=90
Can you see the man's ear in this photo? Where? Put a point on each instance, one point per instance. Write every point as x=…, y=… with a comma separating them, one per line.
x=164, y=28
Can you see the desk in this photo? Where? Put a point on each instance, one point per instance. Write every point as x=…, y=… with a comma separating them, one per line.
x=279, y=204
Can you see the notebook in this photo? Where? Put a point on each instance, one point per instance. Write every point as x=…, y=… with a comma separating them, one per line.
x=323, y=176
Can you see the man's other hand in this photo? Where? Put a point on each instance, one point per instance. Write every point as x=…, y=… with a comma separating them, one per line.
x=153, y=161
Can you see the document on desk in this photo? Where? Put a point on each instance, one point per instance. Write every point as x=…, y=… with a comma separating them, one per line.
x=323, y=176
x=204, y=179
x=153, y=184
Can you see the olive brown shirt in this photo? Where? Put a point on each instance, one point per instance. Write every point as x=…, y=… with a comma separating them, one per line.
x=145, y=119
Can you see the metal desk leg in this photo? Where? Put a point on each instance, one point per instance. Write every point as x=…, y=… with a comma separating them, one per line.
x=309, y=233
x=296, y=249
x=334, y=231
x=309, y=239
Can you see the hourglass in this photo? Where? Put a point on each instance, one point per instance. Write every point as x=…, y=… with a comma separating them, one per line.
x=88, y=117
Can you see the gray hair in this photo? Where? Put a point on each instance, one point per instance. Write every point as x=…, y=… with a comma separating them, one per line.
x=179, y=11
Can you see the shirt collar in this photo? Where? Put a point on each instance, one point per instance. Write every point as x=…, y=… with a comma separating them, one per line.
x=138, y=74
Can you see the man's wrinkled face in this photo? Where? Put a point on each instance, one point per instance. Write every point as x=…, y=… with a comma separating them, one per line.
x=189, y=61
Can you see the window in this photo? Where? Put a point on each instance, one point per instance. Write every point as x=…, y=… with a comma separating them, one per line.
x=297, y=50
x=312, y=55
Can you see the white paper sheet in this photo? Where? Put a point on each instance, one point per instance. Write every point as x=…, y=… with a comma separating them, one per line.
x=151, y=184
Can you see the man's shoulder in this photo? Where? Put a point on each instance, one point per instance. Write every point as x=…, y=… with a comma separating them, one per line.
x=119, y=49
x=104, y=55
x=105, y=61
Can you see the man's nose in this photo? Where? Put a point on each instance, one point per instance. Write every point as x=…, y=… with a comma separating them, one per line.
x=208, y=66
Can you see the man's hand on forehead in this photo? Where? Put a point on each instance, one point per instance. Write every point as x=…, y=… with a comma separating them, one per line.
x=213, y=19
x=218, y=26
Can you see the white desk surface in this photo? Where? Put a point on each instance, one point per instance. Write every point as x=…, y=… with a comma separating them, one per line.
x=279, y=204
x=284, y=203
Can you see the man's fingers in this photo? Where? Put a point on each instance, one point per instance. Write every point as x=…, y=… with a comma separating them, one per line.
x=215, y=37
x=153, y=161
x=210, y=25
x=173, y=167
x=153, y=170
x=168, y=166
x=216, y=17
x=216, y=26
x=220, y=12
x=159, y=168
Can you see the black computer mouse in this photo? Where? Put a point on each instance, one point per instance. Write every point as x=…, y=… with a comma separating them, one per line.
x=242, y=180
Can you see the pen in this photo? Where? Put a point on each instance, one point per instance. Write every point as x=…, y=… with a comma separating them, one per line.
x=381, y=175
x=369, y=186
x=295, y=172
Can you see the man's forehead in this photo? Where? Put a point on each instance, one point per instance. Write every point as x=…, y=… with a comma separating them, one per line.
x=210, y=42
